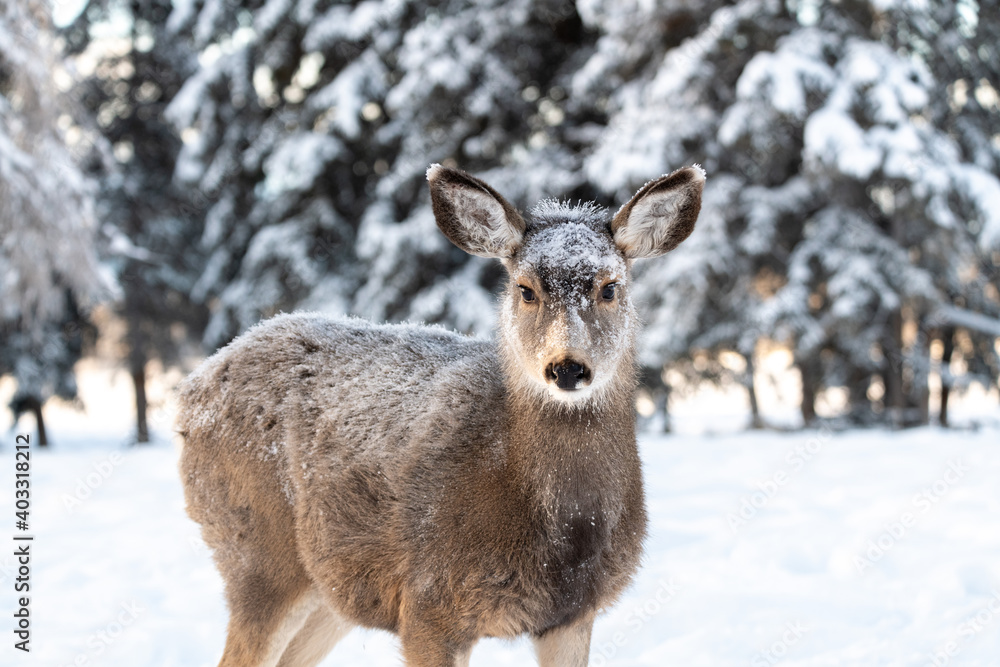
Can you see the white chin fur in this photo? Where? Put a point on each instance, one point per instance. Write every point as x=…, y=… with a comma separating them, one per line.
x=575, y=396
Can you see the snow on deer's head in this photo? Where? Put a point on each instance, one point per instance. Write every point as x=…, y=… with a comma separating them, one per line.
x=567, y=323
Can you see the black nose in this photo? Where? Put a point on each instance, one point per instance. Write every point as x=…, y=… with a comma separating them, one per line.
x=567, y=374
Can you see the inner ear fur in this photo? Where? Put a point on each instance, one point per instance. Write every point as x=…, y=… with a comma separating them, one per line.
x=660, y=215
x=474, y=216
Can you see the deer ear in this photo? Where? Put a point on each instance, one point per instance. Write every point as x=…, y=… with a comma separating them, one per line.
x=473, y=215
x=660, y=215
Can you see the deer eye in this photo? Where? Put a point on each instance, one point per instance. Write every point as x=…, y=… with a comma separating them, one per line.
x=527, y=294
x=608, y=293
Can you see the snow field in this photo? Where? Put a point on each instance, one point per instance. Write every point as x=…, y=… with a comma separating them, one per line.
x=803, y=548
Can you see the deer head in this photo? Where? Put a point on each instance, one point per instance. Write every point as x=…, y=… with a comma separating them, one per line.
x=567, y=323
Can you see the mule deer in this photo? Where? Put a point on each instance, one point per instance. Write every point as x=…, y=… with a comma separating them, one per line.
x=443, y=488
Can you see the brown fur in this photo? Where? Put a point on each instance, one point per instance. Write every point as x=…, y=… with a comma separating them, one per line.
x=411, y=479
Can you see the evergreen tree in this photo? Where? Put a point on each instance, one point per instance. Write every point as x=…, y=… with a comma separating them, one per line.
x=49, y=271
x=136, y=74
x=850, y=212
x=311, y=125
x=957, y=42
x=816, y=133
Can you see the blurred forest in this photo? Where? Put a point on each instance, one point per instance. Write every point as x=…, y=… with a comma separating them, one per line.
x=198, y=165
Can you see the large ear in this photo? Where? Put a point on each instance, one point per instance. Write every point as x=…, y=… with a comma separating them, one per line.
x=473, y=215
x=660, y=215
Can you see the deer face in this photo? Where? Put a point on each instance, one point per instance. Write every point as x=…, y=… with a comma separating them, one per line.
x=566, y=317
x=567, y=323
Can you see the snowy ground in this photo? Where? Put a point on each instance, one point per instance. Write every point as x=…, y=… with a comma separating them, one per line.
x=802, y=548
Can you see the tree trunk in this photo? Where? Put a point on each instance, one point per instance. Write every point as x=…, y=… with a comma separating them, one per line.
x=36, y=408
x=920, y=389
x=138, y=342
x=892, y=371
x=659, y=391
x=948, y=339
x=860, y=410
x=662, y=402
x=923, y=405
x=755, y=421
x=139, y=382
x=810, y=373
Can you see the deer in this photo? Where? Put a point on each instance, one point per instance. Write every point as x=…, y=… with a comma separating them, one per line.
x=440, y=487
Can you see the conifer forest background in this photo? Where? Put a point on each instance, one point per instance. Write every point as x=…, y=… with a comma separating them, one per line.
x=184, y=168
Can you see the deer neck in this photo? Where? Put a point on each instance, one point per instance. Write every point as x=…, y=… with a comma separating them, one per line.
x=572, y=459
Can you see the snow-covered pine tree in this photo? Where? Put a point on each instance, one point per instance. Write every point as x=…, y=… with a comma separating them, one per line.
x=135, y=70
x=958, y=44
x=837, y=190
x=664, y=103
x=49, y=271
x=310, y=125
x=805, y=118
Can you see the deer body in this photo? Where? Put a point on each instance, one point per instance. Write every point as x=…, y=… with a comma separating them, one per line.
x=415, y=480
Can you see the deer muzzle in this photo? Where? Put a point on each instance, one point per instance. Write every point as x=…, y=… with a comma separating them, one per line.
x=568, y=374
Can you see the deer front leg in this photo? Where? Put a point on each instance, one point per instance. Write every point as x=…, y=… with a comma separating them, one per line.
x=426, y=649
x=429, y=638
x=565, y=645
